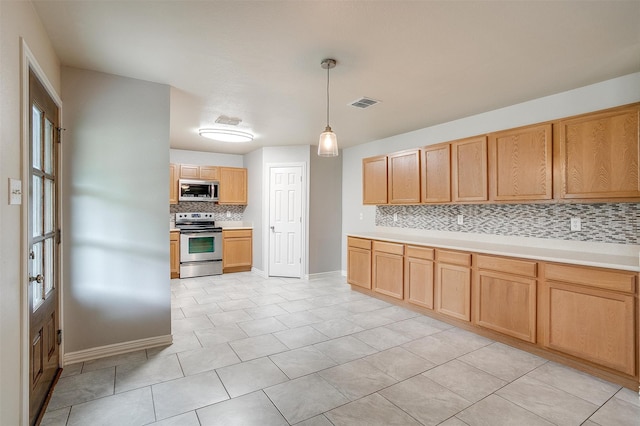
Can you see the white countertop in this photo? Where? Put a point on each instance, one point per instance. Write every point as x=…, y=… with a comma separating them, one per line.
x=615, y=256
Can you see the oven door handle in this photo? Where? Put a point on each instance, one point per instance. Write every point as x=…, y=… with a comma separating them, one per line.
x=203, y=231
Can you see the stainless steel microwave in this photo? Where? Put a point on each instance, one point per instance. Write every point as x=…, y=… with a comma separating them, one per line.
x=198, y=190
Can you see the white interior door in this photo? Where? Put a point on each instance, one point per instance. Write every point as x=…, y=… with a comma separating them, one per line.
x=285, y=221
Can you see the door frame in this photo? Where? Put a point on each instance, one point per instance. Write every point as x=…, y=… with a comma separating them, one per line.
x=266, y=235
x=29, y=61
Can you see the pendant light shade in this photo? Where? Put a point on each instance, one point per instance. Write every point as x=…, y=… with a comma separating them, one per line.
x=328, y=143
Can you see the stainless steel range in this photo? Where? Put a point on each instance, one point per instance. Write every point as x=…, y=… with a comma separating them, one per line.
x=200, y=245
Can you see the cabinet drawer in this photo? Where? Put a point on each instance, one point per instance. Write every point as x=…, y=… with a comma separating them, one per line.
x=391, y=248
x=359, y=243
x=174, y=236
x=509, y=266
x=237, y=233
x=419, y=252
x=453, y=257
x=594, y=277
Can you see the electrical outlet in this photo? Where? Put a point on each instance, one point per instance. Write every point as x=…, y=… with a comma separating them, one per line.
x=460, y=219
x=361, y=215
x=395, y=217
x=228, y=214
x=576, y=224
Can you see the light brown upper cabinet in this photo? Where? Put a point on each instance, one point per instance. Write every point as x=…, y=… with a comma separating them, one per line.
x=374, y=180
x=469, y=169
x=520, y=164
x=597, y=155
x=190, y=171
x=173, y=184
x=233, y=185
x=436, y=173
x=404, y=177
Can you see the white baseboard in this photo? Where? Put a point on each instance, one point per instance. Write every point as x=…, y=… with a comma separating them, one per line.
x=259, y=272
x=332, y=274
x=115, y=349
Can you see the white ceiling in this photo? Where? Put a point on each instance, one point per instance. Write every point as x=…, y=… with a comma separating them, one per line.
x=429, y=62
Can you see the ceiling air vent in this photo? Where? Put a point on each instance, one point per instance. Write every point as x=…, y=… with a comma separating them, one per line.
x=363, y=103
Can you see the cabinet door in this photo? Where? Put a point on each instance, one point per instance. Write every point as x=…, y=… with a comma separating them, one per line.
x=506, y=303
x=189, y=171
x=598, y=155
x=374, y=180
x=592, y=324
x=237, y=253
x=520, y=164
x=233, y=185
x=359, y=267
x=173, y=184
x=418, y=275
x=174, y=254
x=404, y=177
x=388, y=274
x=453, y=291
x=469, y=169
x=208, y=172
x=436, y=174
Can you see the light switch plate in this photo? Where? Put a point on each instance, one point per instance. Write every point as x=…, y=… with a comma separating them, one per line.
x=460, y=219
x=15, y=191
x=395, y=217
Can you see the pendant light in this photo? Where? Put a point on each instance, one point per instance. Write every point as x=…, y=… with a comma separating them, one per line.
x=328, y=144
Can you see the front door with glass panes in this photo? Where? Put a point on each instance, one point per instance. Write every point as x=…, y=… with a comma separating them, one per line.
x=43, y=247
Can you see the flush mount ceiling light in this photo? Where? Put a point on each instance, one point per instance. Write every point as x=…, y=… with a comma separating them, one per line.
x=226, y=135
x=328, y=144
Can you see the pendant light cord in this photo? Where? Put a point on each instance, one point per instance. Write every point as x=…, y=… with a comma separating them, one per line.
x=328, y=68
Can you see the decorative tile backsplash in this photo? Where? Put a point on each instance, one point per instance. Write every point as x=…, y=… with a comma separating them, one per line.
x=219, y=212
x=606, y=222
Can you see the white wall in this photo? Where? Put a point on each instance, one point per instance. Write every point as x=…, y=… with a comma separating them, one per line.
x=17, y=19
x=606, y=94
x=182, y=156
x=253, y=161
x=116, y=252
x=325, y=213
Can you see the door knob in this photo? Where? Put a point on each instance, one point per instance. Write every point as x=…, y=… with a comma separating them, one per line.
x=38, y=278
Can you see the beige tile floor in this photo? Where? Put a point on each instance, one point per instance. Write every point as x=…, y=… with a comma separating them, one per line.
x=254, y=351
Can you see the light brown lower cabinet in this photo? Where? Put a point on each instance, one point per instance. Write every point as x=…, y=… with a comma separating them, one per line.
x=359, y=262
x=504, y=296
x=418, y=276
x=174, y=253
x=453, y=284
x=590, y=314
x=388, y=269
x=237, y=250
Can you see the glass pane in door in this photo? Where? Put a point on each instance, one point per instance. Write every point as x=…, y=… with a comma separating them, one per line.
x=37, y=137
x=48, y=146
x=36, y=269
x=49, y=205
x=36, y=201
x=48, y=265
